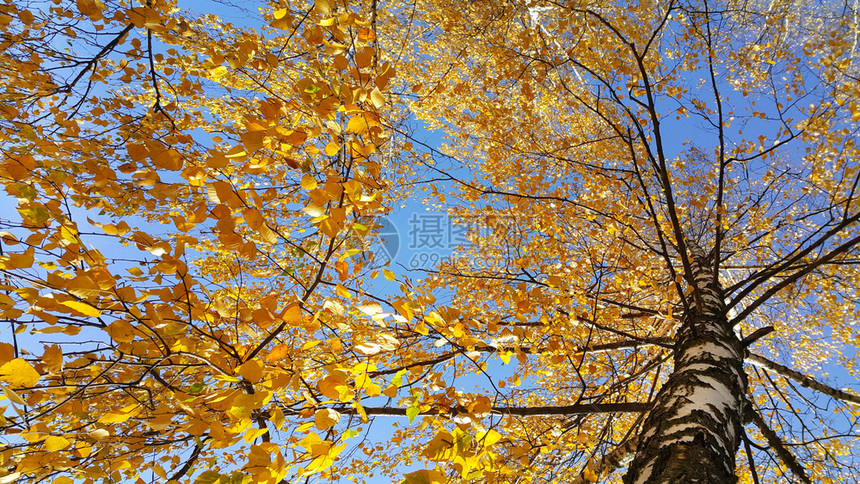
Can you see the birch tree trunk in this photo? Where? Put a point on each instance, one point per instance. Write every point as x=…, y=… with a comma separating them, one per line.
x=693, y=432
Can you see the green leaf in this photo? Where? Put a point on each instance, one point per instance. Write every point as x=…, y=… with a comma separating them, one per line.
x=411, y=413
x=35, y=215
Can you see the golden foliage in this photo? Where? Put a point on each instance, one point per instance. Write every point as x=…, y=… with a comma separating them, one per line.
x=195, y=200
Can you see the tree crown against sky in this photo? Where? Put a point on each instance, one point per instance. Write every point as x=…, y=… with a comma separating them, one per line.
x=658, y=281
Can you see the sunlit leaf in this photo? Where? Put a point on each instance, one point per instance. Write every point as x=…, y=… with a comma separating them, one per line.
x=19, y=373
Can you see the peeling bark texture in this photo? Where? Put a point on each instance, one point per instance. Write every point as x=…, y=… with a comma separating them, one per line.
x=694, y=430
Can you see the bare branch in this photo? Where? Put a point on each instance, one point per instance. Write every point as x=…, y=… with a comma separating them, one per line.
x=513, y=411
x=609, y=463
x=794, y=277
x=802, y=379
x=776, y=444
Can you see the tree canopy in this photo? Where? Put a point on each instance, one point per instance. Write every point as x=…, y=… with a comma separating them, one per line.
x=656, y=279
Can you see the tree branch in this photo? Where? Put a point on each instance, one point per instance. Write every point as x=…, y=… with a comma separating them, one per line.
x=791, y=279
x=91, y=64
x=756, y=335
x=198, y=447
x=776, y=444
x=802, y=379
x=789, y=262
x=750, y=459
x=663, y=342
x=514, y=411
x=610, y=462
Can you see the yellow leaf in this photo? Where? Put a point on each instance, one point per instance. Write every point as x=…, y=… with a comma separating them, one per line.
x=253, y=218
x=293, y=315
x=368, y=349
x=372, y=390
x=324, y=454
x=480, y=406
x=366, y=35
x=357, y=124
x=26, y=17
x=137, y=152
x=169, y=160
x=19, y=373
x=7, y=353
x=253, y=434
x=370, y=308
x=330, y=227
x=328, y=386
x=52, y=358
x=54, y=443
x=424, y=476
x=120, y=416
x=90, y=8
x=342, y=291
x=98, y=434
x=310, y=344
x=590, y=475
x=334, y=386
x=309, y=182
x=309, y=440
x=252, y=140
x=6, y=302
x=18, y=261
x=334, y=307
x=222, y=192
x=10, y=478
x=218, y=72
x=489, y=438
x=326, y=418
x=323, y=6
x=377, y=98
x=13, y=397
x=314, y=210
x=318, y=464
x=364, y=57
x=332, y=148
x=251, y=370
x=83, y=308
x=121, y=331
x=83, y=287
